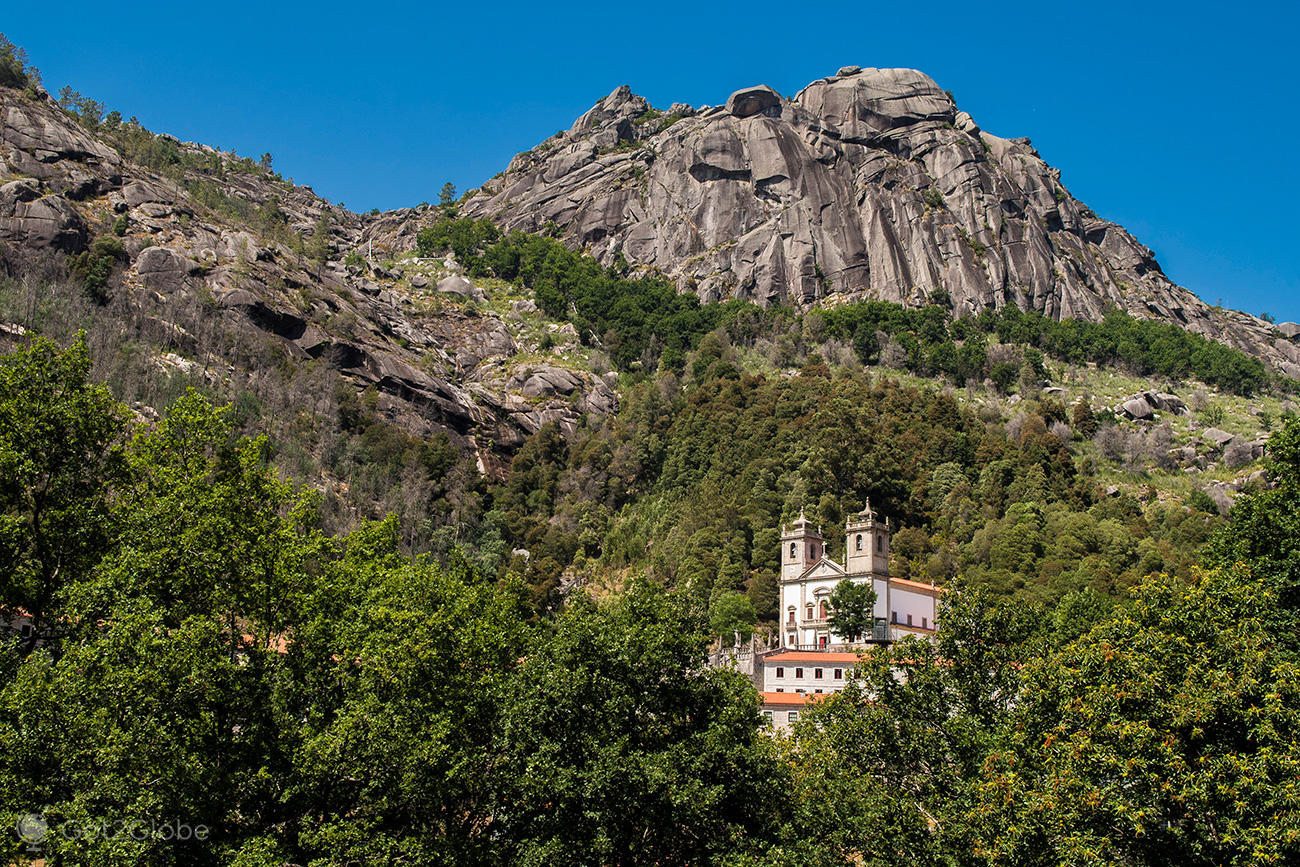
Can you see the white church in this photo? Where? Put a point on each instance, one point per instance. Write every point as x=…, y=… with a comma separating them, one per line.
x=808, y=578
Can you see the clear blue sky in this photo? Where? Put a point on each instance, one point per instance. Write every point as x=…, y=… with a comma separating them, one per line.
x=1177, y=120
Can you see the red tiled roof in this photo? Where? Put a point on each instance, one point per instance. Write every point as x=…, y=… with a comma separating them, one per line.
x=908, y=584
x=828, y=657
x=785, y=698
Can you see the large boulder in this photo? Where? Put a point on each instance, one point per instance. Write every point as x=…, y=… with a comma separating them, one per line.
x=621, y=104
x=48, y=221
x=1137, y=409
x=749, y=101
x=1219, y=437
x=546, y=381
x=1168, y=402
x=143, y=192
x=162, y=269
x=863, y=105
x=42, y=131
x=1220, y=495
x=458, y=285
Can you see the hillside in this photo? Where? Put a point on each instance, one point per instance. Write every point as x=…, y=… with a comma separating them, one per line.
x=501, y=392
x=192, y=240
x=403, y=538
x=870, y=183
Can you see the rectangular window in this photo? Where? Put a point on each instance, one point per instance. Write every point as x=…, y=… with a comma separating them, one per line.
x=798, y=672
x=893, y=617
x=794, y=716
x=817, y=673
x=767, y=717
x=923, y=626
x=909, y=620
x=780, y=672
x=801, y=691
x=880, y=544
x=839, y=674
x=817, y=691
x=780, y=689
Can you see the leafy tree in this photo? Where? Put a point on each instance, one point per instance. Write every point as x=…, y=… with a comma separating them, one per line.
x=765, y=593
x=60, y=460
x=156, y=703
x=15, y=70
x=1083, y=418
x=94, y=267
x=623, y=748
x=732, y=613
x=447, y=195
x=398, y=673
x=1264, y=526
x=852, y=604
x=1166, y=734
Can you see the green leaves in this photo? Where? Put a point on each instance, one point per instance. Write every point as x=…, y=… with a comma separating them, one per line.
x=624, y=749
x=1264, y=527
x=400, y=671
x=60, y=460
x=1168, y=733
x=851, y=609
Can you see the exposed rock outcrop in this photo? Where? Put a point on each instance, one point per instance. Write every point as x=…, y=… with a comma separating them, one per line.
x=408, y=332
x=1143, y=406
x=870, y=183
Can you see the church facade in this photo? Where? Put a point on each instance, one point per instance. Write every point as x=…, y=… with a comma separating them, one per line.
x=808, y=577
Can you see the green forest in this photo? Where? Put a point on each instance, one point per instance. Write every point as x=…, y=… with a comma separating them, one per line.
x=206, y=654
x=250, y=618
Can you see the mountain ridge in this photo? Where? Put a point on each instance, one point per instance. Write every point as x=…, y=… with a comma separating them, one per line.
x=866, y=184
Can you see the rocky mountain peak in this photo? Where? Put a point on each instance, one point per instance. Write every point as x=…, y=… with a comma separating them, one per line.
x=870, y=183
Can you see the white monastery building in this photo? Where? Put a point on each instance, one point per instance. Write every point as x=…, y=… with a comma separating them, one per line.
x=812, y=659
x=791, y=678
x=808, y=577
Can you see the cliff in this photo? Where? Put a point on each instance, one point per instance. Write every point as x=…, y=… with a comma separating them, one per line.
x=868, y=184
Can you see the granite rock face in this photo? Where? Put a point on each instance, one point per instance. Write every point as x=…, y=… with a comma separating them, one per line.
x=867, y=184
x=411, y=332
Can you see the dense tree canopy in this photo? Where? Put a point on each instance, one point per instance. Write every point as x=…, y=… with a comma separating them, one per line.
x=207, y=656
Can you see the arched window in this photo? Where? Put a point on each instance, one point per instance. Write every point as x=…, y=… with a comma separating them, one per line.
x=859, y=541
x=812, y=552
x=880, y=544
x=821, y=610
x=794, y=551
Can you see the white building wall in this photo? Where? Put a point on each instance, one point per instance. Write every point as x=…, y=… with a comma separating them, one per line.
x=792, y=681
x=782, y=719
x=921, y=606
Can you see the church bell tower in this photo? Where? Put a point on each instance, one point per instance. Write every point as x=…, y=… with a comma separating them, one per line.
x=866, y=543
x=801, y=546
